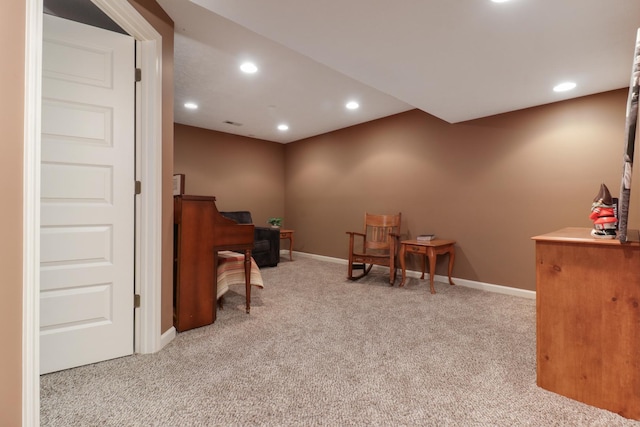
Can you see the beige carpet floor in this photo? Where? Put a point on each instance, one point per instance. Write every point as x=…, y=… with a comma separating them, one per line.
x=320, y=350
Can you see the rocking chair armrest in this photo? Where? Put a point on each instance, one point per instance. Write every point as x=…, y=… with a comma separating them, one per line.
x=352, y=233
x=352, y=236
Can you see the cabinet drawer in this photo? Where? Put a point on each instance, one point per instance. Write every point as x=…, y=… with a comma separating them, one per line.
x=416, y=249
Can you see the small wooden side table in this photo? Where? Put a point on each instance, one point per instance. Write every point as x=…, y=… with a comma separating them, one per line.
x=430, y=249
x=288, y=234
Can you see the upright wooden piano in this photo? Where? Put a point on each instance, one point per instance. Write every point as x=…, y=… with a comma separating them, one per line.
x=199, y=233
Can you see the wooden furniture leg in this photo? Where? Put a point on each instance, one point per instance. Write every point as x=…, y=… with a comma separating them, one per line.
x=452, y=257
x=247, y=278
x=403, y=264
x=392, y=270
x=431, y=253
x=291, y=247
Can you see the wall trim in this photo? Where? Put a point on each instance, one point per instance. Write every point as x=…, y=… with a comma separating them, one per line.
x=167, y=337
x=147, y=326
x=31, y=216
x=489, y=287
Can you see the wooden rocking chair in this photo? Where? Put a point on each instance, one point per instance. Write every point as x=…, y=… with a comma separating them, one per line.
x=380, y=244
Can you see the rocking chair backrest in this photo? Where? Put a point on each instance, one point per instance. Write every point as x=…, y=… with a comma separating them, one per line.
x=377, y=229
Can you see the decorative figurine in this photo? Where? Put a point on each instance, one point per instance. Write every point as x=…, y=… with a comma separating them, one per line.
x=603, y=215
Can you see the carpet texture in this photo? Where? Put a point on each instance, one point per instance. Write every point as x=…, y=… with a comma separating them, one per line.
x=320, y=350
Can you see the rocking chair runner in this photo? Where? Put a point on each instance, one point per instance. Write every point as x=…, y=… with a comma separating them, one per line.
x=380, y=244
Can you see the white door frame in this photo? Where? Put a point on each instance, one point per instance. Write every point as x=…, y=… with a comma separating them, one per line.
x=148, y=336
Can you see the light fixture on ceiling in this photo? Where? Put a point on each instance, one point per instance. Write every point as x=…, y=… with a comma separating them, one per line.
x=248, y=67
x=191, y=105
x=352, y=105
x=499, y=1
x=283, y=127
x=563, y=87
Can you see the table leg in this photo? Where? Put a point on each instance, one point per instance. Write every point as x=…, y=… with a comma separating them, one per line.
x=247, y=277
x=452, y=257
x=424, y=262
x=402, y=264
x=431, y=253
x=290, y=247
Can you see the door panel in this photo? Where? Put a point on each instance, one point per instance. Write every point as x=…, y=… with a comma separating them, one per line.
x=87, y=195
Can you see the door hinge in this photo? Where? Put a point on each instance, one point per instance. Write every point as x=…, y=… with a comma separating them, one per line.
x=136, y=301
x=138, y=187
x=138, y=75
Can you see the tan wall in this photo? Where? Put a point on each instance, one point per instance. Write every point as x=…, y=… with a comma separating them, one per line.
x=490, y=184
x=156, y=16
x=12, y=45
x=243, y=173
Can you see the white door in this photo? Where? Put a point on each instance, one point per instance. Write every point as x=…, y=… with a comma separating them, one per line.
x=87, y=195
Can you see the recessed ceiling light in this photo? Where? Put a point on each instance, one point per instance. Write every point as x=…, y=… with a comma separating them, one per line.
x=283, y=127
x=499, y=1
x=352, y=105
x=249, y=67
x=191, y=105
x=563, y=87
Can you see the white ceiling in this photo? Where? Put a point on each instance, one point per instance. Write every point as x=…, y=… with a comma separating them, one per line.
x=455, y=59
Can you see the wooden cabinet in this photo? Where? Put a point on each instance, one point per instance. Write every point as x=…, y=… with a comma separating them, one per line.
x=588, y=319
x=194, y=290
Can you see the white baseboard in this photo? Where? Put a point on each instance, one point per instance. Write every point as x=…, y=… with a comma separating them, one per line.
x=489, y=287
x=314, y=256
x=507, y=290
x=167, y=337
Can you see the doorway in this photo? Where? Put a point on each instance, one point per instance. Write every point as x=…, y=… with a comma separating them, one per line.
x=148, y=205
